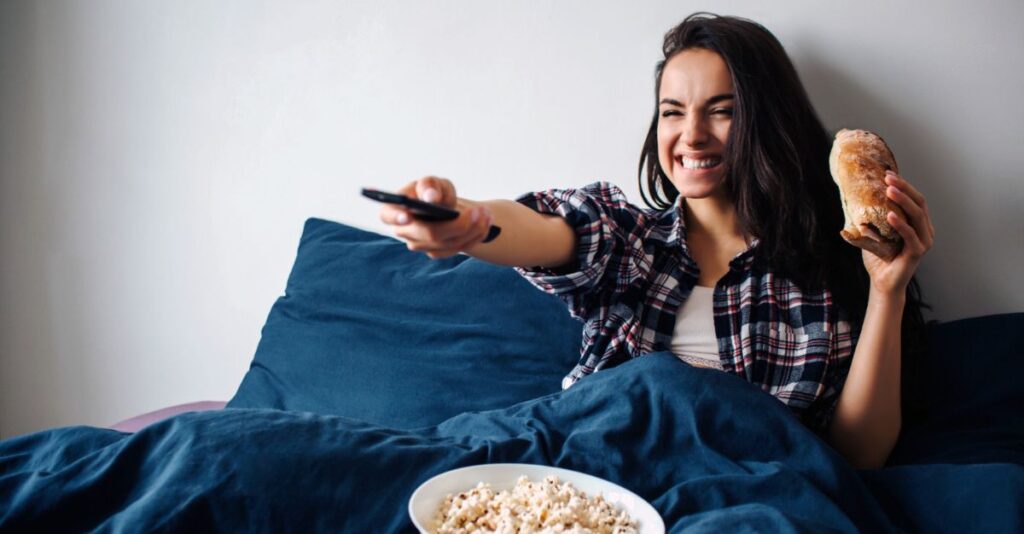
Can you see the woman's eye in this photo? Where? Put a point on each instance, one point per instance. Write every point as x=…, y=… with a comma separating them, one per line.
x=669, y=113
x=723, y=111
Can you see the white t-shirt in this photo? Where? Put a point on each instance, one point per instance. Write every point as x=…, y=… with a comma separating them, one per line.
x=693, y=339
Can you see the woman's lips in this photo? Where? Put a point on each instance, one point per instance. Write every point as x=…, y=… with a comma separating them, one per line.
x=699, y=164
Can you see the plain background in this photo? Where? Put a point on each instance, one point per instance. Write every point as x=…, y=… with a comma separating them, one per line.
x=158, y=159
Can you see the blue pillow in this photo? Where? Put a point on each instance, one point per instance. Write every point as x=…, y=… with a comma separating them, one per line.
x=970, y=387
x=368, y=329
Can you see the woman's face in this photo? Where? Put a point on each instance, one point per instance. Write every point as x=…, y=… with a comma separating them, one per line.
x=695, y=103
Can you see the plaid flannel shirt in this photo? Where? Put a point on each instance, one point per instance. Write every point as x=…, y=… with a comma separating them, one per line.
x=634, y=270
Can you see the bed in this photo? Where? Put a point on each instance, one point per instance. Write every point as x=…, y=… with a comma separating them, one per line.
x=379, y=368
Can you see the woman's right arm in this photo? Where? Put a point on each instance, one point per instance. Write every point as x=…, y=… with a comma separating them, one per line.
x=527, y=239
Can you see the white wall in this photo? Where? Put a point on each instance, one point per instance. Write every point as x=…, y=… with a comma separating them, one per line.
x=158, y=159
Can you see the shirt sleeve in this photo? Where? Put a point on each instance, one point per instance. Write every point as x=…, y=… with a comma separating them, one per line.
x=608, y=231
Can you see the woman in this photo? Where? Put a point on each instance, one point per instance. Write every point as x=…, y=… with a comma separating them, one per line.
x=738, y=265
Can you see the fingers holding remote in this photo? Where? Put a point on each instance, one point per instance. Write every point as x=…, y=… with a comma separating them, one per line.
x=434, y=190
x=444, y=239
x=438, y=239
x=430, y=189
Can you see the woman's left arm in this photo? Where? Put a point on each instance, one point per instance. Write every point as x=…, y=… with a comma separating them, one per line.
x=867, y=419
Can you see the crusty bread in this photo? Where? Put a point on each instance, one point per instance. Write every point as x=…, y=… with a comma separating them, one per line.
x=858, y=163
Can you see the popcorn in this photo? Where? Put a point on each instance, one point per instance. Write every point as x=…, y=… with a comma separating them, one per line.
x=544, y=507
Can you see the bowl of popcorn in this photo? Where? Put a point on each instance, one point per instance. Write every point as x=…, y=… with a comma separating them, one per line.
x=528, y=498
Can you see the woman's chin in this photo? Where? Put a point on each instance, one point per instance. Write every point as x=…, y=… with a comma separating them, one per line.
x=688, y=189
x=694, y=183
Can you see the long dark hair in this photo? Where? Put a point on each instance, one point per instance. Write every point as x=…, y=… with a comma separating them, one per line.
x=776, y=172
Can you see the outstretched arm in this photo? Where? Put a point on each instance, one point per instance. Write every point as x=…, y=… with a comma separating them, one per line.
x=867, y=420
x=527, y=239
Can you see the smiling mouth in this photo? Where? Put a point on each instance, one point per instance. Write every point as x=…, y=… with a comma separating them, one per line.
x=699, y=164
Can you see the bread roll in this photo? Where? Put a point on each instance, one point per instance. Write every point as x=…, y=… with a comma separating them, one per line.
x=858, y=162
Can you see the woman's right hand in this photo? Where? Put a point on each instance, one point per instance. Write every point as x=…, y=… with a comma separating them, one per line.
x=438, y=239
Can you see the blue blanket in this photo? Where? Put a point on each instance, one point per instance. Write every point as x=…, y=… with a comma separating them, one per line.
x=708, y=450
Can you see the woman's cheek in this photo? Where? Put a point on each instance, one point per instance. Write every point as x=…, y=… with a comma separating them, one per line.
x=666, y=163
x=664, y=154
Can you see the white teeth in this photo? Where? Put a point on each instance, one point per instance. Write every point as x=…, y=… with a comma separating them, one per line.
x=699, y=163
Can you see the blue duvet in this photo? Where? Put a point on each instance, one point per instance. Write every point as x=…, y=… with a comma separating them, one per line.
x=708, y=450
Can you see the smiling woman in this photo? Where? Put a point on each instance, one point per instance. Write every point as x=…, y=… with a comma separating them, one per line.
x=693, y=125
x=738, y=264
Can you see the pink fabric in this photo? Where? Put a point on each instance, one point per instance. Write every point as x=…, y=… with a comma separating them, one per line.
x=141, y=421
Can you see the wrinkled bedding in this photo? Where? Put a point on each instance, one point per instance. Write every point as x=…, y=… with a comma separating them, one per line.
x=708, y=450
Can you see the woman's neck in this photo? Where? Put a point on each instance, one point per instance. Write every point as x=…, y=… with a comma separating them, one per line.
x=713, y=235
x=713, y=217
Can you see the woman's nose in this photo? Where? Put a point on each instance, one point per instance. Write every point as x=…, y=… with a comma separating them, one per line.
x=695, y=132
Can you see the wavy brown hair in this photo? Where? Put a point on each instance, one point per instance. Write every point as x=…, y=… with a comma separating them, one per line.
x=777, y=173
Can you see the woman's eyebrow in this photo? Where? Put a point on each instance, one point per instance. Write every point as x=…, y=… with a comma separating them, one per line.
x=713, y=100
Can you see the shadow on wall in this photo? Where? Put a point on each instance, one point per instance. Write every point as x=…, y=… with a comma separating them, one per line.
x=30, y=372
x=957, y=266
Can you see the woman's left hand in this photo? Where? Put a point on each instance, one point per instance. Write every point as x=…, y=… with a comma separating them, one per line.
x=891, y=277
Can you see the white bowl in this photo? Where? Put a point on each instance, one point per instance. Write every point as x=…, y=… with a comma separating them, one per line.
x=427, y=498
